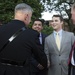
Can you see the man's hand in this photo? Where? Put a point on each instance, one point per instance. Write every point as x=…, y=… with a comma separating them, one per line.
x=40, y=67
x=48, y=64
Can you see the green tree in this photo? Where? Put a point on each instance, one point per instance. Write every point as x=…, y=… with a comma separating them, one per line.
x=7, y=8
x=47, y=29
x=60, y=5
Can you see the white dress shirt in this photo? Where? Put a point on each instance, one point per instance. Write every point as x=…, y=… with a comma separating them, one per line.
x=40, y=38
x=72, y=59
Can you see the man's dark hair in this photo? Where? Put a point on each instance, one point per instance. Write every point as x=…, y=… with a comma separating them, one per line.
x=41, y=20
x=61, y=19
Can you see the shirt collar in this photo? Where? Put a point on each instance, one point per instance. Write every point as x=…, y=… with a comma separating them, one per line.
x=59, y=32
x=40, y=34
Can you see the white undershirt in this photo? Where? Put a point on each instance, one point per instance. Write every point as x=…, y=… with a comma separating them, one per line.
x=72, y=59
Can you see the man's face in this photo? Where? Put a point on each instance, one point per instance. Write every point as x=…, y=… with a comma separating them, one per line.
x=56, y=23
x=37, y=25
x=73, y=15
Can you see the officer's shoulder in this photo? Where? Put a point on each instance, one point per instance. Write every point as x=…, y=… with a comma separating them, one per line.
x=33, y=31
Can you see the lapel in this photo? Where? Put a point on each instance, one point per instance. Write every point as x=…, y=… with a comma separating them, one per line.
x=62, y=40
x=43, y=38
x=54, y=43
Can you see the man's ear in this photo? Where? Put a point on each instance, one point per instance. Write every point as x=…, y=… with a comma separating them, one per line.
x=25, y=16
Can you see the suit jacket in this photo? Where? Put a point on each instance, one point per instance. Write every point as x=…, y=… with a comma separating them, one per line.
x=71, y=67
x=59, y=59
x=20, y=49
x=34, y=62
x=43, y=38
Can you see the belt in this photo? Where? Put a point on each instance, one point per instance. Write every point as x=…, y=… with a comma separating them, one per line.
x=12, y=62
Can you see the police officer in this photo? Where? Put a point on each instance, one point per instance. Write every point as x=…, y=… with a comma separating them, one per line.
x=18, y=42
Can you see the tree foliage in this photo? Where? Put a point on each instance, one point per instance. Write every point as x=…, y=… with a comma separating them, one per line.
x=47, y=29
x=7, y=11
x=59, y=5
x=7, y=8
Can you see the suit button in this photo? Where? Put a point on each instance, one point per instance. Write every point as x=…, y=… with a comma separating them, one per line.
x=59, y=55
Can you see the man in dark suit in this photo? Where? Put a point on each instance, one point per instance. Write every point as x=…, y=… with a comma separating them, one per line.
x=17, y=43
x=72, y=54
x=36, y=67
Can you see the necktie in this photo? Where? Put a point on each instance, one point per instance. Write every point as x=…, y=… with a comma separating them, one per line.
x=58, y=41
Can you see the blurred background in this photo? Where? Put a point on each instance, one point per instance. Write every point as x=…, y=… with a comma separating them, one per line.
x=43, y=9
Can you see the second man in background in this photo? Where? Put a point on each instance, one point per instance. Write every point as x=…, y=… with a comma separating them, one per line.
x=36, y=67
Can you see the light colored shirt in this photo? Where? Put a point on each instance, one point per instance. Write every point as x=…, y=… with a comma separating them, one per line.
x=60, y=34
x=40, y=38
x=72, y=59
